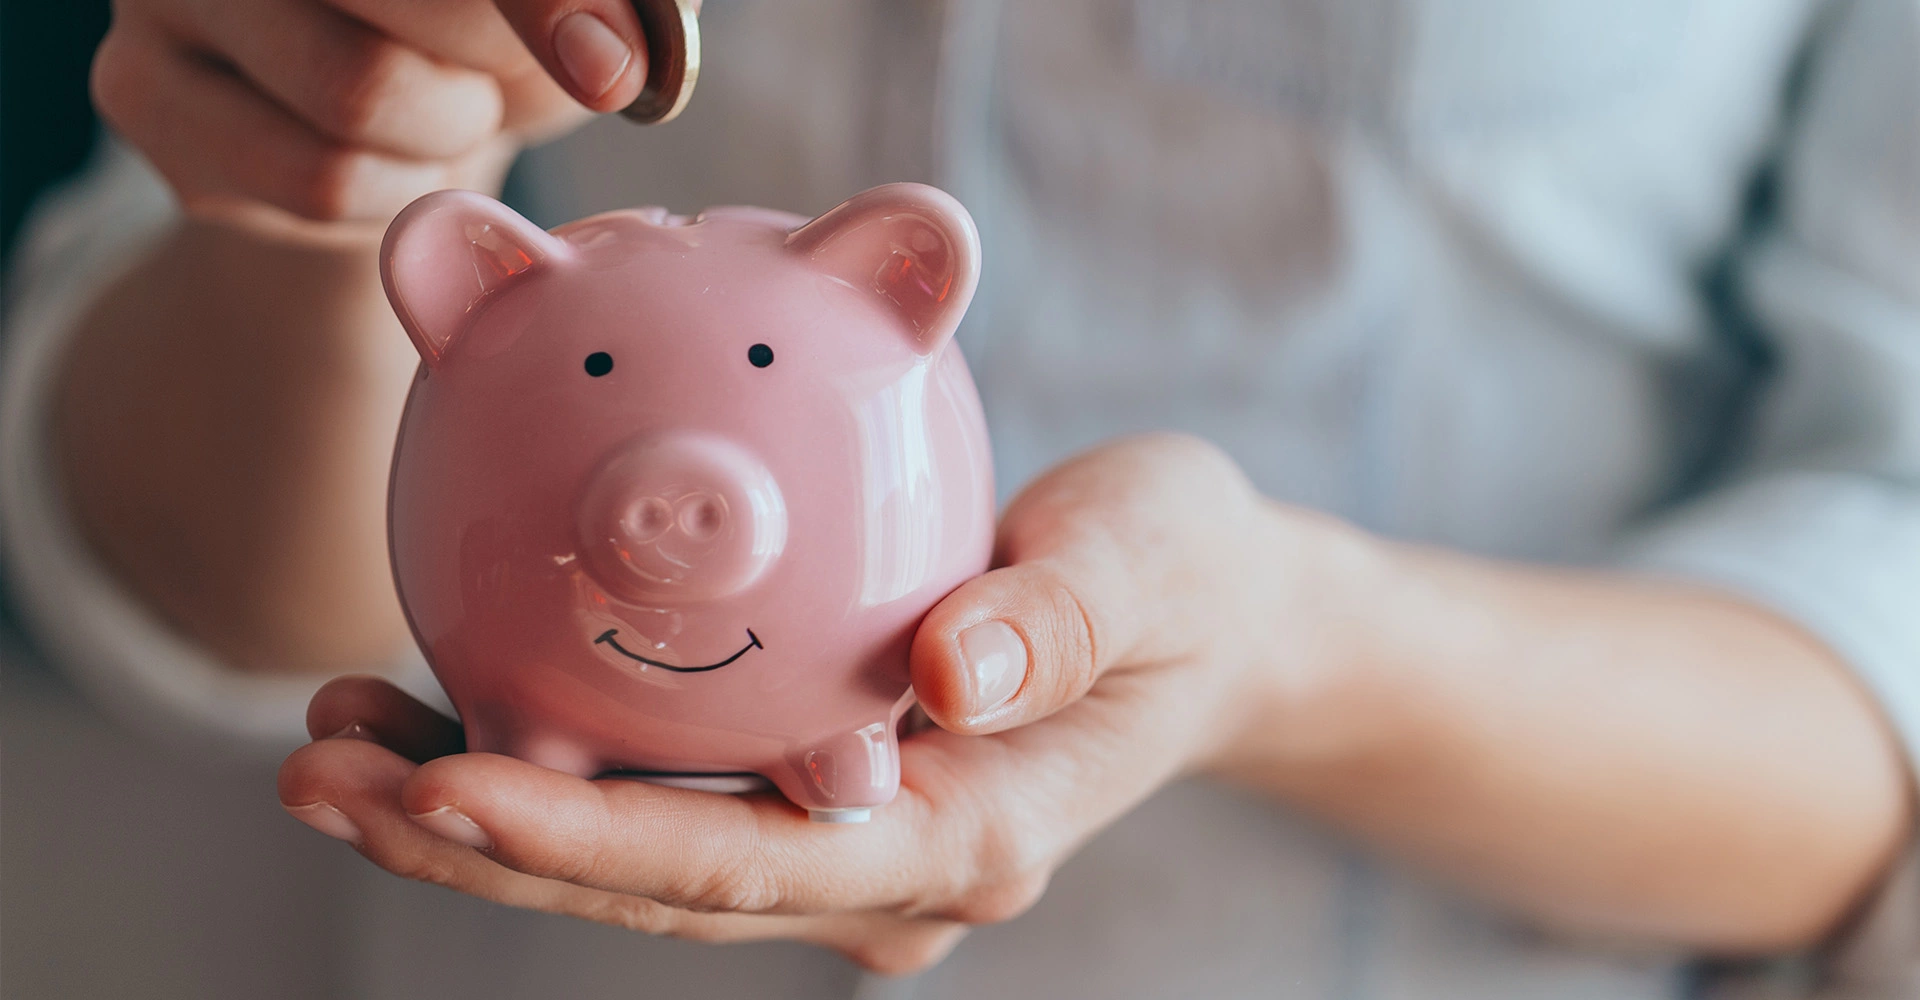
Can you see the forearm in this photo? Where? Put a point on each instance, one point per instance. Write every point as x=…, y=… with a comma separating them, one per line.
x=1610, y=755
x=223, y=424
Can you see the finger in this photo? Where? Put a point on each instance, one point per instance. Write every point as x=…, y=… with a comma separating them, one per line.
x=978, y=824
x=474, y=34
x=1010, y=647
x=694, y=850
x=217, y=141
x=350, y=790
x=385, y=714
x=593, y=48
x=350, y=82
x=1098, y=572
x=469, y=33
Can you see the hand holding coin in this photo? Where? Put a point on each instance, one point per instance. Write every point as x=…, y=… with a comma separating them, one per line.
x=672, y=30
x=349, y=109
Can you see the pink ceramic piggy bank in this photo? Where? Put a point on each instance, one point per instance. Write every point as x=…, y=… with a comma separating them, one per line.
x=671, y=495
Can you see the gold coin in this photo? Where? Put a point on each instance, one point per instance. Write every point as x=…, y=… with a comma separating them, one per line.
x=672, y=28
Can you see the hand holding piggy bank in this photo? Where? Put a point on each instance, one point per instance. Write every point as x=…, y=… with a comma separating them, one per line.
x=671, y=495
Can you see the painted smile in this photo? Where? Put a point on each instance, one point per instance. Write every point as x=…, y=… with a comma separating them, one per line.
x=753, y=642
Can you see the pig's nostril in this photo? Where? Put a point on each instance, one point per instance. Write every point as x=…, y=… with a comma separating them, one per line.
x=647, y=520
x=701, y=516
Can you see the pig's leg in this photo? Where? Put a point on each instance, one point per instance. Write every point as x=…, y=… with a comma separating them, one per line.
x=558, y=753
x=532, y=745
x=843, y=778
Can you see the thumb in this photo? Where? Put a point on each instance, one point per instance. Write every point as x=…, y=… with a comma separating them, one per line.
x=594, y=49
x=1099, y=553
x=1021, y=642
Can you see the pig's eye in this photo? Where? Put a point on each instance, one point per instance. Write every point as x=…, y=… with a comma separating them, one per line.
x=600, y=362
x=760, y=355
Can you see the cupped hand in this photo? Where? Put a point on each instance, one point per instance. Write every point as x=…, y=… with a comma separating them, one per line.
x=1147, y=587
x=349, y=109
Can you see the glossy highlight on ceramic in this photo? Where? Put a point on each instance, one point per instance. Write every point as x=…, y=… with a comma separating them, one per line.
x=671, y=495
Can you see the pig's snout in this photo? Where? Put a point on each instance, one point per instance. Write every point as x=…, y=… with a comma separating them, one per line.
x=681, y=517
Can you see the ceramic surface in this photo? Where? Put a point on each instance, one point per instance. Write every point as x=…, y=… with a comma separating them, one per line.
x=672, y=494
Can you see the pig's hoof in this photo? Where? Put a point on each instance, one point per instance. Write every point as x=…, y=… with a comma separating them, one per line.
x=839, y=815
x=852, y=772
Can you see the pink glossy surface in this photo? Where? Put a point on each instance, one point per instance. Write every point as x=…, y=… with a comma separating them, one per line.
x=573, y=549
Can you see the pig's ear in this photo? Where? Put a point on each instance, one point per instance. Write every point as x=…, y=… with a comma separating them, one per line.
x=446, y=252
x=912, y=245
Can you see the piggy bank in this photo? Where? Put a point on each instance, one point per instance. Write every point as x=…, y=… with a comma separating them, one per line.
x=671, y=494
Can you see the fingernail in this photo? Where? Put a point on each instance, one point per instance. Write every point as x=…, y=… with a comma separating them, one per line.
x=590, y=52
x=355, y=731
x=996, y=663
x=323, y=817
x=454, y=825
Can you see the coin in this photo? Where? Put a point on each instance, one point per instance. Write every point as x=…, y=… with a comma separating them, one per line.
x=672, y=28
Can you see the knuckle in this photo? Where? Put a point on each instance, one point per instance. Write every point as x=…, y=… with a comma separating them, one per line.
x=731, y=888
x=1072, y=644
x=900, y=960
x=700, y=928
x=638, y=914
x=1195, y=466
x=584, y=858
x=907, y=951
x=356, y=93
x=999, y=902
x=423, y=867
x=114, y=79
x=916, y=949
x=326, y=185
x=1006, y=851
x=580, y=866
x=577, y=860
x=1080, y=650
x=1188, y=450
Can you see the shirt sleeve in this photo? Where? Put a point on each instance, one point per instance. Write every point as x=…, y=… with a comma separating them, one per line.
x=115, y=650
x=1820, y=518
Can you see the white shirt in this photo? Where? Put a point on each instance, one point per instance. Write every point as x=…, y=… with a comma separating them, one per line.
x=1489, y=274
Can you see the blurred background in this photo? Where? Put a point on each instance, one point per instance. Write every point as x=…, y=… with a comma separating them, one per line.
x=102, y=888
x=46, y=121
